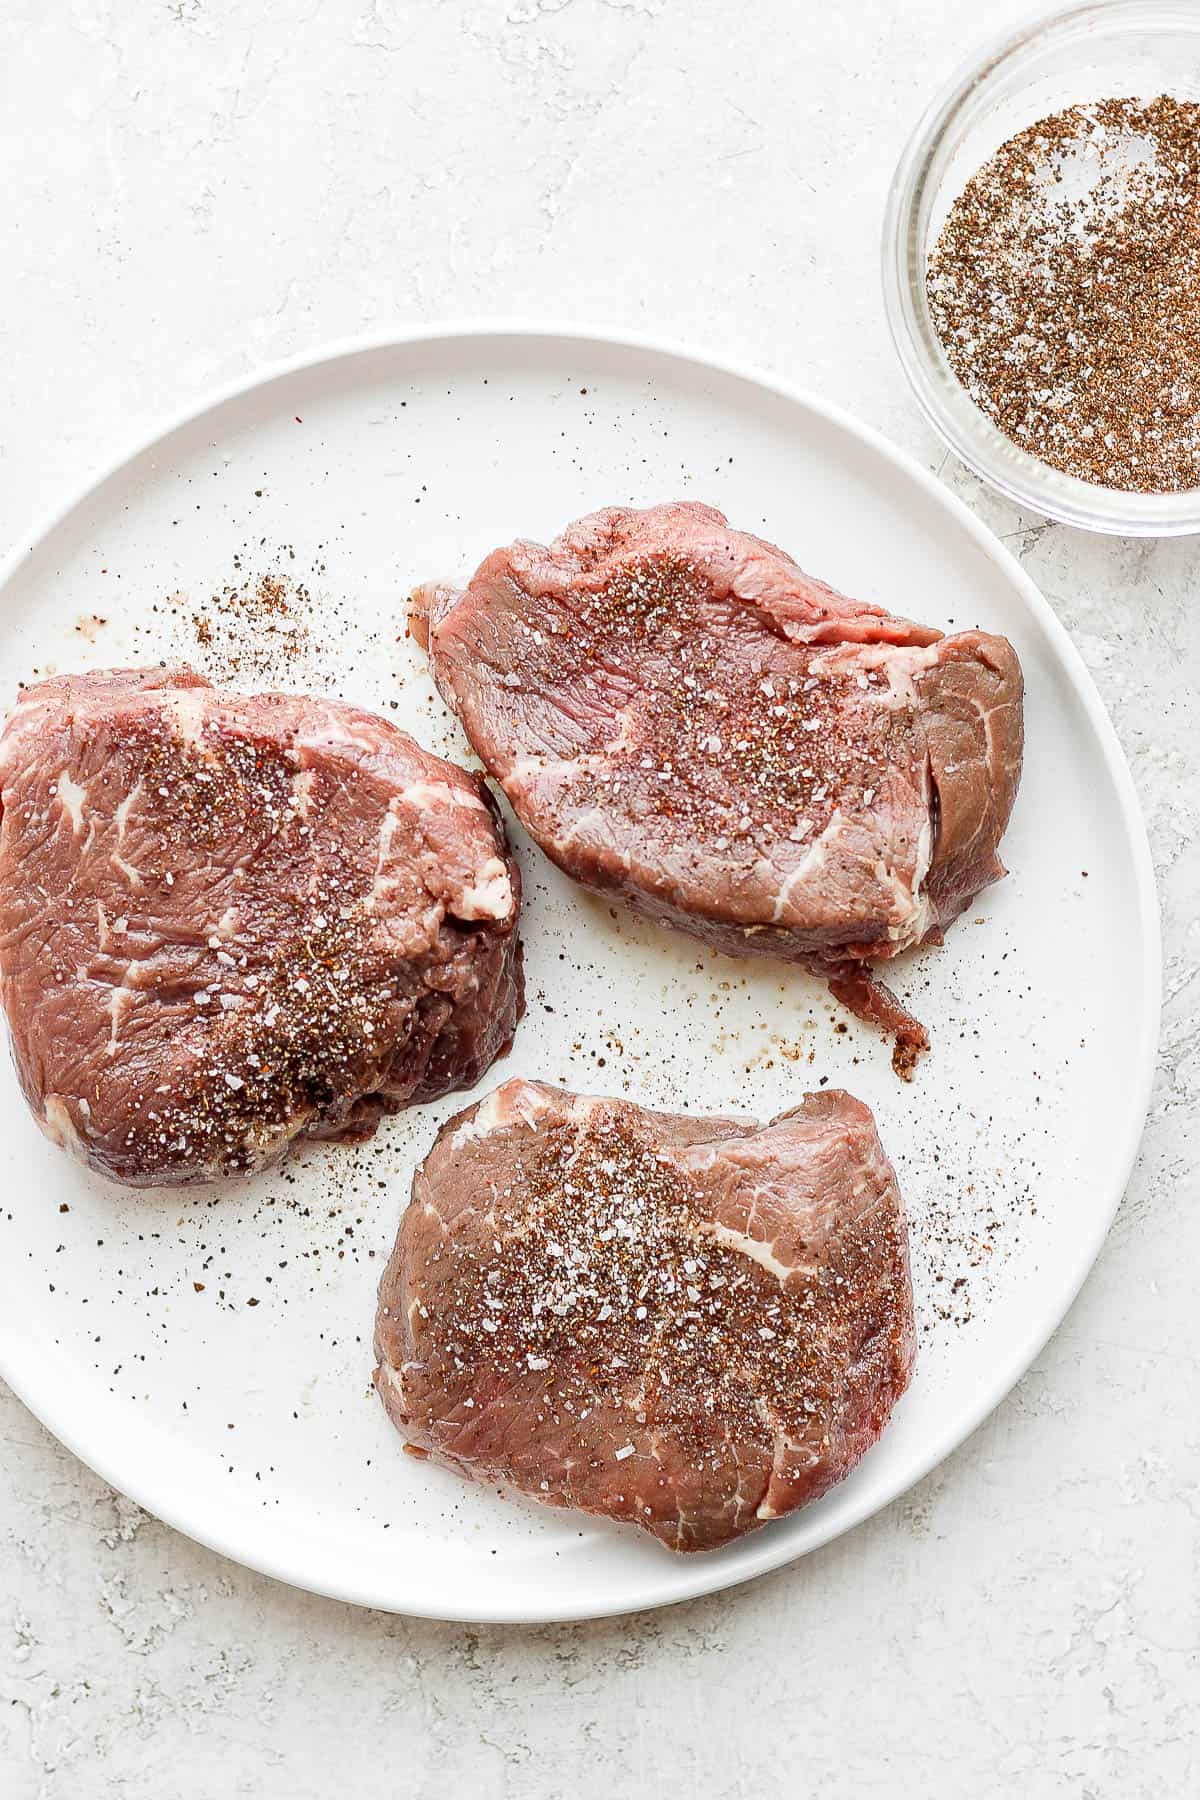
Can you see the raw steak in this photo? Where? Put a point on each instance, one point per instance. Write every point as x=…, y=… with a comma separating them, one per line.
x=683, y=719
x=229, y=922
x=694, y=1325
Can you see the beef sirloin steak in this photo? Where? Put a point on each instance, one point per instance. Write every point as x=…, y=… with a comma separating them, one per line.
x=691, y=1324
x=683, y=719
x=230, y=922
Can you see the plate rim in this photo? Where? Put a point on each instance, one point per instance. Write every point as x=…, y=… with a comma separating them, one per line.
x=765, y=1551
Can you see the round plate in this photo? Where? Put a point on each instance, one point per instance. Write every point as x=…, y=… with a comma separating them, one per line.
x=128, y=1321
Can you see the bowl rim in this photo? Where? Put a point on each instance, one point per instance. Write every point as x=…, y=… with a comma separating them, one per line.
x=947, y=407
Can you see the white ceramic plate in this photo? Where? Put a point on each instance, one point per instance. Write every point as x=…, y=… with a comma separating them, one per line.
x=125, y=1321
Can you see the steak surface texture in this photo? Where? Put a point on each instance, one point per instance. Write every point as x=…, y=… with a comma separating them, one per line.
x=229, y=922
x=682, y=719
x=694, y=1325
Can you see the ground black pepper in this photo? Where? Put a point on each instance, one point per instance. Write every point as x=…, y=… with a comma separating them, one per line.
x=785, y=736
x=253, y=627
x=1065, y=288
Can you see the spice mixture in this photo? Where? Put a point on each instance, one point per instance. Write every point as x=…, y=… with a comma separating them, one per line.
x=294, y=1026
x=739, y=743
x=254, y=626
x=1065, y=288
x=608, y=1277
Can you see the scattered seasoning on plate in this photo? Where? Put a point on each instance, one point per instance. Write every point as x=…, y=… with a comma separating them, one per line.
x=275, y=622
x=257, y=625
x=1065, y=289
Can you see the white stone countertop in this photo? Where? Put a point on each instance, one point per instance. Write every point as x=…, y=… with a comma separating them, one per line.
x=197, y=188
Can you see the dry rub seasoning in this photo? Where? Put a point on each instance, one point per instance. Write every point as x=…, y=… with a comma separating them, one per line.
x=1065, y=287
x=253, y=627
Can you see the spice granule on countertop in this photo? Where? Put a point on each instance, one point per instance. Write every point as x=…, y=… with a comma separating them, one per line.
x=1065, y=289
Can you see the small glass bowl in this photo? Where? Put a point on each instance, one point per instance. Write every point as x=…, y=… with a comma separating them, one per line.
x=1106, y=49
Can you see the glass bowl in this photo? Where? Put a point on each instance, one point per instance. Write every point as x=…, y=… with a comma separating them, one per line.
x=1110, y=48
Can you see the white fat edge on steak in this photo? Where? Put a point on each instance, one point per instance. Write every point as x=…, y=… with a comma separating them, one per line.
x=914, y=913
x=488, y=896
x=911, y=930
x=336, y=736
x=900, y=663
x=189, y=709
x=59, y=1126
x=393, y=1378
x=515, y=1102
x=262, y=1143
x=56, y=1123
x=422, y=794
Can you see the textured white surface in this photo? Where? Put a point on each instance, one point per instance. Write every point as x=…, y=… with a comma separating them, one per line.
x=195, y=188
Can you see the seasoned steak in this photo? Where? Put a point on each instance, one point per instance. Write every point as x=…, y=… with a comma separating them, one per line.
x=683, y=719
x=694, y=1325
x=227, y=923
